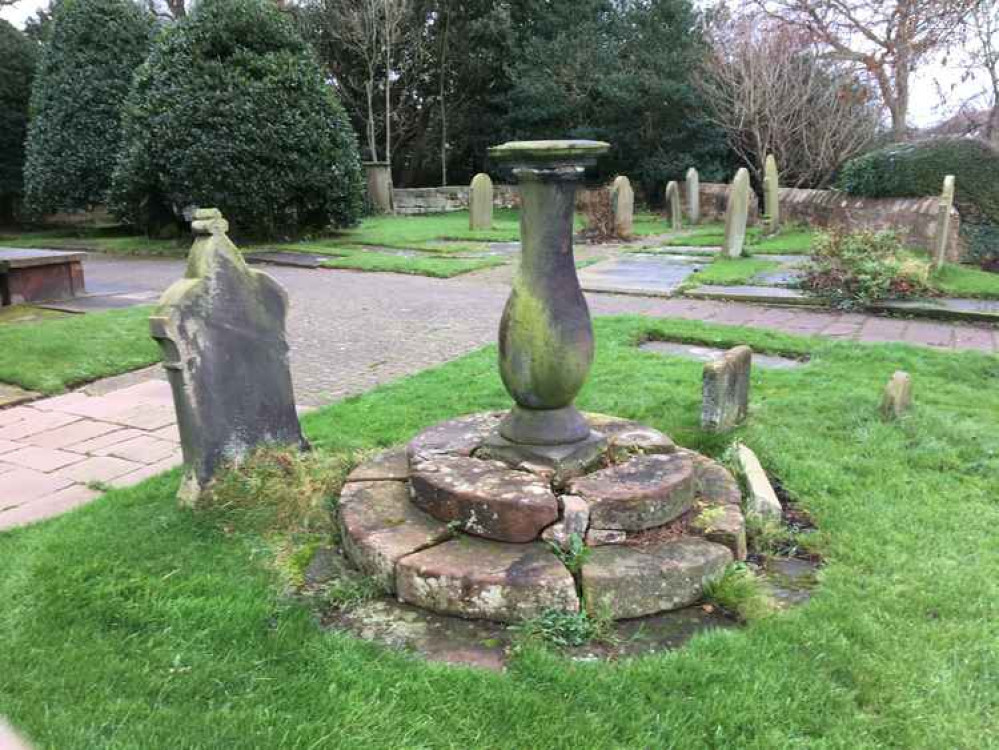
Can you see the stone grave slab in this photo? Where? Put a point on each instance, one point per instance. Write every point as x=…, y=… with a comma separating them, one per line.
x=634, y=273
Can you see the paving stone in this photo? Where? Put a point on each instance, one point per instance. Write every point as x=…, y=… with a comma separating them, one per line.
x=642, y=493
x=630, y=582
x=76, y=432
x=99, y=469
x=120, y=435
x=60, y=403
x=15, y=414
x=379, y=526
x=4, y=468
x=152, y=470
x=6, y=446
x=170, y=433
x=486, y=498
x=481, y=579
x=46, y=506
x=387, y=465
x=144, y=449
x=146, y=417
x=41, y=459
x=24, y=485
x=35, y=422
x=459, y=437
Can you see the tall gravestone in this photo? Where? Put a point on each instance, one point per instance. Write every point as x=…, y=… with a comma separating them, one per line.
x=480, y=202
x=624, y=206
x=673, y=201
x=771, y=194
x=693, y=185
x=942, y=239
x=736, y=214
x=221, y=330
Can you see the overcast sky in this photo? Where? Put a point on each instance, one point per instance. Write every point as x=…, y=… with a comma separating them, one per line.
x=925, y=108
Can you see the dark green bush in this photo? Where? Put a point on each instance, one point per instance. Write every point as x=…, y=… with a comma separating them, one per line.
x=231, y=111
x=918, y=169
x=858, y=268
x=18, y=57
x=84, y=75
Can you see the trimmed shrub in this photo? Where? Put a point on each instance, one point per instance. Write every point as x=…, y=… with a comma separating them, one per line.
x=918, y=169
x=231, y=111
x=18, y=57
x=84, y=76
x=861, y=267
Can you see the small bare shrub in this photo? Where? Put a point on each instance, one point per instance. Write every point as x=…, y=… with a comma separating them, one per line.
x=598, y=213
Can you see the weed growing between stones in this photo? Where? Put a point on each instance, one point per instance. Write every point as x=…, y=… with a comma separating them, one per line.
x=346, y=593
x=566, y=629
x=574, y=555
x=740, y=593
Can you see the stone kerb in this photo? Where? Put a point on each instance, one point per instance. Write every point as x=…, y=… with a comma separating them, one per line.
x=433, y=200
x=221, y=330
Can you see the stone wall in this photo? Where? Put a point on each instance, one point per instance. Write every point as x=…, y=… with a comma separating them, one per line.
x=914, y=218
x=434, y=200
x=714, y=199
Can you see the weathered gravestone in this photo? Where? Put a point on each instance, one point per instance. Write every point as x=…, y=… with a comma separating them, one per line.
x=693, y=185
x=624, y=206
x=725, y=394
x=736, y=214
x=222, y=333
x=673, y=201
x=897, y=397
x=942, y=238
x=771, y=194
x=761, y=500
x=480, y=202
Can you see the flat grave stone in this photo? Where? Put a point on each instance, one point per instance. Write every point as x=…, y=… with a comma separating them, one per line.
x=33, y=275
x=710, y=353
x=284, y=258
x=635, y=273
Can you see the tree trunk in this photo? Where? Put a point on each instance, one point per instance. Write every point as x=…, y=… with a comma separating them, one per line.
x=447, y=16
x=369, y=89
x=388, y=91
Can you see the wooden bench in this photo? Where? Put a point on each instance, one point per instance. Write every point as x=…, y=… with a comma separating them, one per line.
x=39, y=275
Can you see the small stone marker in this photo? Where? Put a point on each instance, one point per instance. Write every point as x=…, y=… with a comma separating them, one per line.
x=762, y=500
x=942, y=238
x=480, y=202
x=725, y=394
x=222, y=333
x=673, y=201
x=736, y=214
x=897, y=396
x=693, y=185
x=624, y=206
x=771, y=194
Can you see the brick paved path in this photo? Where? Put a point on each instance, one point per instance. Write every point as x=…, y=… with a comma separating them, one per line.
x=348, y=332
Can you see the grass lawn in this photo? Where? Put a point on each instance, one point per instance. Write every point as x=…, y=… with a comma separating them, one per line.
x=414, y=232
x=791, y=240
x=51, y=355
x=422, y=265
x=966, y=281
x=130, y=623
x=106, y=240
x=730, y=271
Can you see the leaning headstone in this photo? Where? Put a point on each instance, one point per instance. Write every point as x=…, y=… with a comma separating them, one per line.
x=480, y=202
x=771, y=194
x=736, y=214
x=693, y=185
x=942, y=238
x=221, y=330
x=673, y=201
x=725, y=390
x=761, y=500
x=624, y=206
x=897, y=397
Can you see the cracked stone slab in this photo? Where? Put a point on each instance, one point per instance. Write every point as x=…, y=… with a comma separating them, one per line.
x=480, y=579
x=387, y=465
x=630, y=582
x=458, y=437
x=487, y=498
x=642, y=493
x=379, y=526
x=718, y=513
x=626, y=438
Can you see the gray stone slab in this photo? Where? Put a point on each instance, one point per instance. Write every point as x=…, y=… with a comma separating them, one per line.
x=98, y=302
x=282, y=258
x=710, y=353
x=16, y=257
x=650, y=275
x=761, y=294
x=952, y=308
x=778, y=277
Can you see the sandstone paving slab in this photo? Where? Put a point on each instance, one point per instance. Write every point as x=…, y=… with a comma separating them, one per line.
x=459, y=437
x=486, y=498
x=644, y=492
x=717, y=512
x=99, y=469
x=481, y=579
x=93, y=445
x=34, y=422
x=633, y=582
x=6, y=446
x=143, y=449
x=24, y=485
x=41, y=459
x=387, y=465
x=51, y=504
x=379, y=525
x=15, y=414
x=148, y=471
x=945, y=307
x=67, y=435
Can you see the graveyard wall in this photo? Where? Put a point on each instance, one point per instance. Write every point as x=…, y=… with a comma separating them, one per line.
x=914, y=218
x=433, y=200
x=714, y=199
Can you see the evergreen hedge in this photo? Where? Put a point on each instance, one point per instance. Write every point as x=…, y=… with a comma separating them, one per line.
x=83, y=77
x=231, y=111
x=918, y=169
x=18, y=57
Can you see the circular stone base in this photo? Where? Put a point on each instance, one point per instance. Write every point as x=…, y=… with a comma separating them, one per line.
x=452, y=526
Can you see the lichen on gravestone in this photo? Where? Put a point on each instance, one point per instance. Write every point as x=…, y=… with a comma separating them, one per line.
x=725, y=390
x=480, y=202
x=221, y=330
x=736, y=214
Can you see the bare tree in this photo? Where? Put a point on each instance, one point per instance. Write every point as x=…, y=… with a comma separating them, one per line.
x=886, y=38
x=980, y=54
x=771, y=92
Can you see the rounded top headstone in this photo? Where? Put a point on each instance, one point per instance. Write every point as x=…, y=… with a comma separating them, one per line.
x=549, y=153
